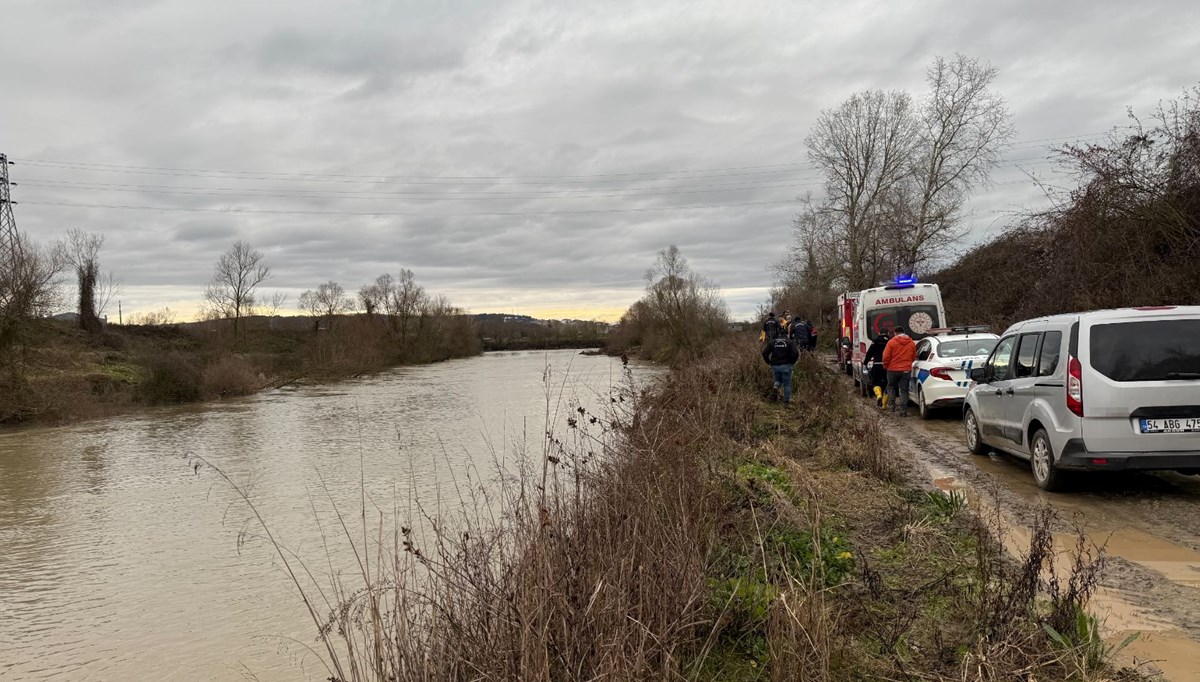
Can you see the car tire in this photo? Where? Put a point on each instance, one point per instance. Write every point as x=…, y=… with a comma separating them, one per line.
x=1046, y=475
x=974, y=439
x=923, y=409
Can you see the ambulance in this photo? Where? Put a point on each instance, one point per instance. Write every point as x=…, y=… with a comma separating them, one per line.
x=913, y=305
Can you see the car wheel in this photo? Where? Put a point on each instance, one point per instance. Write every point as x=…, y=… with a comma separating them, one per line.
x=924, y=409
x=1041, y=460
x=974, y=441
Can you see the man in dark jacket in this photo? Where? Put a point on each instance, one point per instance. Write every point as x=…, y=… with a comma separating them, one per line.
x=770, y=328
x=877, y=375
x=781, y=353
x=800, y=332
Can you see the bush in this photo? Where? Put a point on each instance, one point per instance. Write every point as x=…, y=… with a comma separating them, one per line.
x=172, y=378
x=230, y=376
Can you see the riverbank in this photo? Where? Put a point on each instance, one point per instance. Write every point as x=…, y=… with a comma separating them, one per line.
x=60, y=373
x=710, y=534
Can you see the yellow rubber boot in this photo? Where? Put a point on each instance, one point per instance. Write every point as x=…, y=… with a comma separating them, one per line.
x=885, y=402
x=878, y=392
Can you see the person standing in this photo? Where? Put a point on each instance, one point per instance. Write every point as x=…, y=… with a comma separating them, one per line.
x=810, y=344
x=770, y=328
x=877, y=375
x=800, y=332
x=781, y=354
x=898, y=358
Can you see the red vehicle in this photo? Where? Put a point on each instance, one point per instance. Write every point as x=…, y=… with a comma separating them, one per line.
x=847, y=304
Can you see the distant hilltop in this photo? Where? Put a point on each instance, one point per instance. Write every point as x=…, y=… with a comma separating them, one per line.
x=507, y=318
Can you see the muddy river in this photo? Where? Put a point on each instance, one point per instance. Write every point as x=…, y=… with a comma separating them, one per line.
x=123, y=557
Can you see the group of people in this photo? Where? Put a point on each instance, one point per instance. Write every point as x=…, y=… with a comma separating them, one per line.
x=783, y=339
x=889, y=362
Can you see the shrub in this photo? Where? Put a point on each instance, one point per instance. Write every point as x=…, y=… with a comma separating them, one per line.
x=173, y=378
x=230, y=376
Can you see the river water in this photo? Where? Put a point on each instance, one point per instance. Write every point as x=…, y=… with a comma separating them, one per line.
x=122, y=557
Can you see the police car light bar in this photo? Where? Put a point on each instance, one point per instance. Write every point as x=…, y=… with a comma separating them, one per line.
x=971, y=329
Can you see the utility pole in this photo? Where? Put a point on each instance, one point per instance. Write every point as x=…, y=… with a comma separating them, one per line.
x=10, y=243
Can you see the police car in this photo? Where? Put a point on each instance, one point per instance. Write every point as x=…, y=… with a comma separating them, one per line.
x=941, y=374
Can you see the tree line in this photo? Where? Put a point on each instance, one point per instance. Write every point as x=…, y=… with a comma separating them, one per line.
x=1127, y=233
x=898, y=173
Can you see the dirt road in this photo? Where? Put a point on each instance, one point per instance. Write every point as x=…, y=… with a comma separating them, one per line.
x=1147, y=524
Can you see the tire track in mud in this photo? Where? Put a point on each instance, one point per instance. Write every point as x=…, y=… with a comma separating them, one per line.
x=1148, y=524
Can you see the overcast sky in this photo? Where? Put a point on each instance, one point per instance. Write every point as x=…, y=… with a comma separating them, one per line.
x=517, y=156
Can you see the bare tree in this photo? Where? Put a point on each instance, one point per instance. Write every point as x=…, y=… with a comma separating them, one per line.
x=83, y=251
x=29, y=285
x=377, y=296
x=964, y=127
x=687, y=309
x=864, y=148
x=807, y=276
x=407, y=300
x=327, y=301
x=230, y=293
x=107, y=290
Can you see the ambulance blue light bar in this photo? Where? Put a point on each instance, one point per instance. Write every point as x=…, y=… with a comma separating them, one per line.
x=906, y=279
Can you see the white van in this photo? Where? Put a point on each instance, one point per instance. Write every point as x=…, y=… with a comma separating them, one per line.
x=916, y=307
x=1102, y=390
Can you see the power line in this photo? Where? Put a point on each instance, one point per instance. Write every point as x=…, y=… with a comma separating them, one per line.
x=527, y=194
x=696, y=173
x=417, y=214
x=384, y=179
x=416, y=177
x=235, y=192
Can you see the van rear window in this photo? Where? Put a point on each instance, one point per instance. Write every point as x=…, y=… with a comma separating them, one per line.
x=1155, y=350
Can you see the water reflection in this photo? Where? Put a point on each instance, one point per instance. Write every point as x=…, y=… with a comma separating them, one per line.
x=118, y=560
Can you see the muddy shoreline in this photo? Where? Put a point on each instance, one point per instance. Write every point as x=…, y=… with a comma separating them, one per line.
x=1147, y=524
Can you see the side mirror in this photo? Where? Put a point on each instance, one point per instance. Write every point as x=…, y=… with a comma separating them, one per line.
x=979, y=375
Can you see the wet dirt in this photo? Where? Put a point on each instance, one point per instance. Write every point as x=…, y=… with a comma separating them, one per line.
x=1148, y=525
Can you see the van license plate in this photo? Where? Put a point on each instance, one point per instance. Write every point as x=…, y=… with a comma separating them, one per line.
x=1170, y=425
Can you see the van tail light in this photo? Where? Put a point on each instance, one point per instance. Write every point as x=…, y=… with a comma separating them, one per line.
x=941, y=373
x=1075, y=386
x=862, y=347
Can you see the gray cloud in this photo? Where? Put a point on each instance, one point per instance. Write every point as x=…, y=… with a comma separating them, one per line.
x=513, y=154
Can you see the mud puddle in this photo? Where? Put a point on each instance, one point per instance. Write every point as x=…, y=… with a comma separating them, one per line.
x=1147, y=523
x=1168, y=644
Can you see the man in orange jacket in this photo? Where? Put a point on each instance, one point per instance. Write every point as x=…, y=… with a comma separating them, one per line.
x=898, y=358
